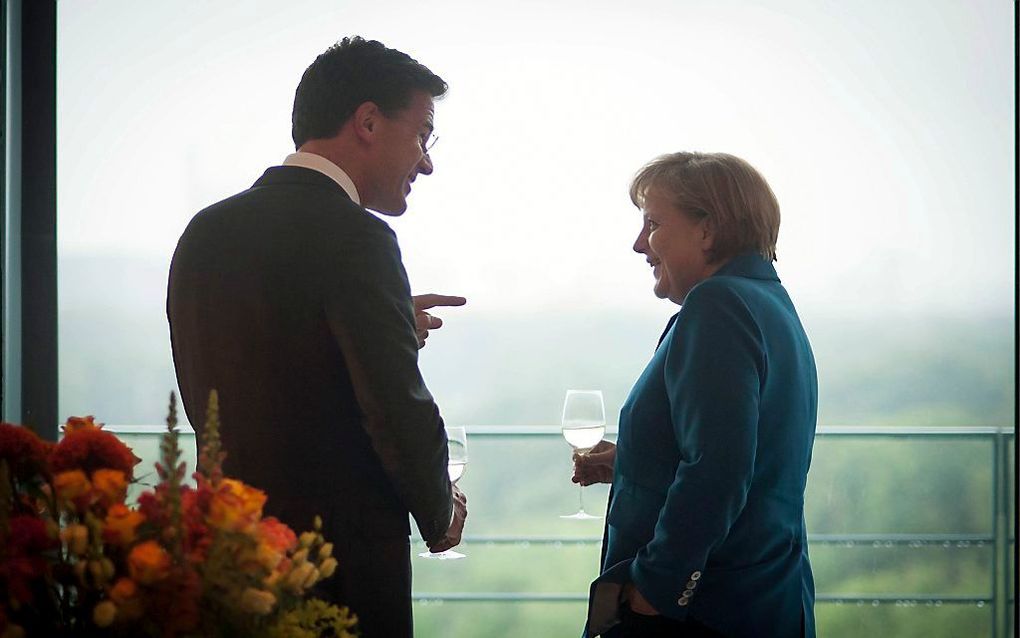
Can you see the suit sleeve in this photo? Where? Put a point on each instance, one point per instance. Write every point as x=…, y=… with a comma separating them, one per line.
x=714, y=368
x=370, y=313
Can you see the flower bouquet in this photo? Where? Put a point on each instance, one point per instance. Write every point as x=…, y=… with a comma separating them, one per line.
x=202, y=561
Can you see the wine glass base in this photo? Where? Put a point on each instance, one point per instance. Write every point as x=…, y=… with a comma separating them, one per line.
x=447, y=555
x=581, y=516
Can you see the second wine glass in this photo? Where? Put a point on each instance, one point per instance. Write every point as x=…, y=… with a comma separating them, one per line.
x=456, y=442
x=584, y=425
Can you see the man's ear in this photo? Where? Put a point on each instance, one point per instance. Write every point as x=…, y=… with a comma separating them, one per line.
x=366, y=120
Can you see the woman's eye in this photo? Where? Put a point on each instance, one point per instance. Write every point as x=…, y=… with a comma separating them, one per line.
x=652, y=225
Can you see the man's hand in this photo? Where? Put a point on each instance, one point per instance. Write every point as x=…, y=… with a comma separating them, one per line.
x=453, y=535
x=595, y=466
x=637, y=603
x=423, y=321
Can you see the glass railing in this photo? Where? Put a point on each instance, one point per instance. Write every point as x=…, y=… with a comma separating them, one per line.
x=911, y=533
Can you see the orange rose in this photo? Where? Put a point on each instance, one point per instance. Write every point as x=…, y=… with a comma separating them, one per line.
x=125, y=595
x=76, y=423
x=235, y=506
x=72, y=487
x=148, y=562
x=120, y=525
x=111, y=485
x=123, y=590
x=277, y=535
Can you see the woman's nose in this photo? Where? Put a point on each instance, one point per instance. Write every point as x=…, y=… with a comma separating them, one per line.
x=641, y=243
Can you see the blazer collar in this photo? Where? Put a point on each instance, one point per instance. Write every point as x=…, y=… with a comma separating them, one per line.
x=300, y=176
x=751, y=265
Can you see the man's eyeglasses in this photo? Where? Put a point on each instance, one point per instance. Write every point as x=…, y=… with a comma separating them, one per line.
x=427, y=143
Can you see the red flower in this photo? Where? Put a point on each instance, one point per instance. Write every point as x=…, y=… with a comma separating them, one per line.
x=90, y=449
x=194, y=508
x=25, y=563
x=23, y=450
x=29, y=535
x=178, y=598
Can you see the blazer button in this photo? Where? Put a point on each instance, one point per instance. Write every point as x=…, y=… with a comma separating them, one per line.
x=691, y=584
x=688, y=593
x=683, y=602
x=695, y=575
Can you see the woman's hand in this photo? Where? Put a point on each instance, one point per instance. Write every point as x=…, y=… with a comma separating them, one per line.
x=596, y=465
x=637, y=603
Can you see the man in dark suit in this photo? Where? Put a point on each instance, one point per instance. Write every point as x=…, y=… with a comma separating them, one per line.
x=291, y=300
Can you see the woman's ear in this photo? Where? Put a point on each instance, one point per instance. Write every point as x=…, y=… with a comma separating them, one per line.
x=707, y=234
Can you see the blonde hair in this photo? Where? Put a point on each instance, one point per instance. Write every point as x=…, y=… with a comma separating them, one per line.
x=736, y=199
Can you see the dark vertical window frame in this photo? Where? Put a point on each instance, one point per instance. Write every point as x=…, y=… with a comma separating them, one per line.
x=31, y=219
x=10, y=220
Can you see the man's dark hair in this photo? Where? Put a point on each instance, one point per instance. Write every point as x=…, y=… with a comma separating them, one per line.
x=350, y=73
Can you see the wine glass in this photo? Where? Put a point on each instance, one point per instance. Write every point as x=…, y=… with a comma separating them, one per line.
x=584, y=424
x=456, y=443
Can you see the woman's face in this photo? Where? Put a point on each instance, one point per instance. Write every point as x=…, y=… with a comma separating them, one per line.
x=676, y=247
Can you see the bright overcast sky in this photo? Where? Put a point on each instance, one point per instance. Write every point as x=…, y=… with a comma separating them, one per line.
x=885, y=128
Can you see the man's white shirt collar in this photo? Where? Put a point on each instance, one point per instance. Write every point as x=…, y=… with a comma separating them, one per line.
x=327, y=168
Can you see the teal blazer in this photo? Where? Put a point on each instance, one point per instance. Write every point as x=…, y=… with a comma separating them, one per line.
x=706, y=513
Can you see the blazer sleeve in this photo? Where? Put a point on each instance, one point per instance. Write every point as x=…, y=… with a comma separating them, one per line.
x=370, y=313
x=714, y=366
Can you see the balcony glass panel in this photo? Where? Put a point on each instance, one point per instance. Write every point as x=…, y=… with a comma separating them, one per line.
x=903, y=531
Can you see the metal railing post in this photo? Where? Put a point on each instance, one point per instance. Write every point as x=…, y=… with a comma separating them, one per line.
x=997, y=542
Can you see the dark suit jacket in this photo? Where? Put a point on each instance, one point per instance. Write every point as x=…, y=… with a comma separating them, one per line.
x=707, y=511
x=292, y=302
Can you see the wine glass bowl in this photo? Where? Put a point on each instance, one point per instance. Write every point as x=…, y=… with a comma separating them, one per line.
x=583, y=425
x=456, y=445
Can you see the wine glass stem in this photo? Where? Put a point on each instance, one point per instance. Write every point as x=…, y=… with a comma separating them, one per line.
x=580, y=498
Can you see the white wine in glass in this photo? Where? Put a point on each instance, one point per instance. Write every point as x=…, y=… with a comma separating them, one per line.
x=584, y=425
x=456, y=442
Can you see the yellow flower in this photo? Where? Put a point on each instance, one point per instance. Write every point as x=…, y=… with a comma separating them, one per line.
x=148, y=562
x=326, y=550
x=76, y=537
x=312, y=578
x=272, y=579
x=110, y=485
x=298, y=576
x=98, y=571
x=235, y=506
x=267, y=556
x=120, y=525
x=257, y=601
x=71, y=485
x=307, y=538
x=104, y=613
x=327, y=567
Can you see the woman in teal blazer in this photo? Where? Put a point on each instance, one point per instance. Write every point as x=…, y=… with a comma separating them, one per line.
x=705, y=531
